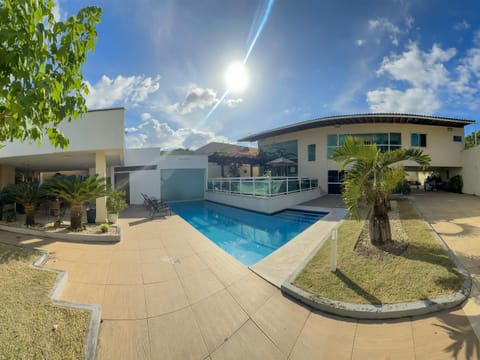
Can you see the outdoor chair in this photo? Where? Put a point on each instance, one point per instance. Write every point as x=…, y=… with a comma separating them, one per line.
x=155, y=206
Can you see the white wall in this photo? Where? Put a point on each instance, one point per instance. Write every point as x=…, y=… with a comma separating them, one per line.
x=440, y=145
x=148, y=181
x=95, y=130
x=471, y=171
x=267, y=205
x=144, y=181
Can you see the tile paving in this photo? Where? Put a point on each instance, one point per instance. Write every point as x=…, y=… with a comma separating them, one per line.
x=167, y=292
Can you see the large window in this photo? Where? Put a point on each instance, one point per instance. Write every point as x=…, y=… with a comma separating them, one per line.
x=311, y=152
x=384, y=141
x=419, y=140
x=287, y=150
x=335, y=181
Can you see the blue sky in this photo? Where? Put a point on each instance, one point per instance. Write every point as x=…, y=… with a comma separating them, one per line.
x=165, y=61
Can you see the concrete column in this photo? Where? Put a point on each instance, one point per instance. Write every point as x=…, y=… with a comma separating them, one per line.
x=101, y=170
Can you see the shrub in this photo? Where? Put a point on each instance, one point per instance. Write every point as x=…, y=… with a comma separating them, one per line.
x=455, y=184
x=104, y=228
x=116, y=201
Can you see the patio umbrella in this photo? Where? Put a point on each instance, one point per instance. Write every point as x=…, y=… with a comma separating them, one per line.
x=283, y=163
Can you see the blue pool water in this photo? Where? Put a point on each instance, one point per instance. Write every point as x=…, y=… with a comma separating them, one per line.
x=246, y=235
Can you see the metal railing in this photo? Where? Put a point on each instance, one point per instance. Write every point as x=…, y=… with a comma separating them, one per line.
x=262, y=186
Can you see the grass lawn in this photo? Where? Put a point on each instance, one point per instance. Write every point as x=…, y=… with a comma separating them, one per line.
x=424, y=270
x=27, y=315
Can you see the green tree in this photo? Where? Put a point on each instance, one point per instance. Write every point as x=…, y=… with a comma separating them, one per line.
x=28, y=195
x=371, y=177
x=76, y=191
x=470, y=140
x=41, y=82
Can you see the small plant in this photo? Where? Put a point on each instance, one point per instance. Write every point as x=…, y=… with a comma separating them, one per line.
x=116, y=201
x=104, y=228
x=267, y=173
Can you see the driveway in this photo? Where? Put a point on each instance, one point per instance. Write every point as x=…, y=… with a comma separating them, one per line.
x=167, y=292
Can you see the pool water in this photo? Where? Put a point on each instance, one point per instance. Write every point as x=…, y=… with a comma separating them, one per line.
x=246, y=235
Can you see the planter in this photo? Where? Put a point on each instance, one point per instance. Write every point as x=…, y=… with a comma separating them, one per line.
x=112, y=218
x=91, y=215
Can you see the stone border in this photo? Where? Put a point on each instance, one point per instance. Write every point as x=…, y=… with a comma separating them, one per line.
x=64, y=236
x=54, y=294
x=380, y=312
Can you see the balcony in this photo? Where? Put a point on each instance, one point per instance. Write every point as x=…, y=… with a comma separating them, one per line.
x=264, y=194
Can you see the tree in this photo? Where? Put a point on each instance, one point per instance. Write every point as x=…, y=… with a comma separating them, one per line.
x=28, y=195
x=372, y=177
x=75, y=191
x=41, y=82
x=470, y=140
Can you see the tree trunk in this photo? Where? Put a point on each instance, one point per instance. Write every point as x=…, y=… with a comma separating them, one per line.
x=379, y=226
x=29, y=215
x=76, y=211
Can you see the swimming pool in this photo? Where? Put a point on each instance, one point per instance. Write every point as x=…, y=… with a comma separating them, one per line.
x=246, y=235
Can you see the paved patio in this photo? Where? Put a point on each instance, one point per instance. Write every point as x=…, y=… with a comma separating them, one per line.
x=167, y=292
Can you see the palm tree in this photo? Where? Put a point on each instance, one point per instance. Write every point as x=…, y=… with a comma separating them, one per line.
x=28, y=195
x=371, y=176
x=75, y=191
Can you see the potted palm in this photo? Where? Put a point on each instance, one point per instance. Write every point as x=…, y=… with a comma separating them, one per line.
x=76, y=190
x=115, y=204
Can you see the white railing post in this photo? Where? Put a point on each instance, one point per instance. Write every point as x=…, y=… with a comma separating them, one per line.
x=333, y=251
x=287, y=180
x=269, y=186
x=229, y=186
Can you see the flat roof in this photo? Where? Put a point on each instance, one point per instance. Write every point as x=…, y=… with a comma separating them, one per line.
x=361, y=119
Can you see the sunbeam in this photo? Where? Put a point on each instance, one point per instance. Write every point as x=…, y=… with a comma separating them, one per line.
x=255, y=31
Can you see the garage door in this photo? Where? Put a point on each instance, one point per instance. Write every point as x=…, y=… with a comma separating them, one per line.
x=182, y=184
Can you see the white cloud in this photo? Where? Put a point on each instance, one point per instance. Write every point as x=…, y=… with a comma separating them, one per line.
x=360, y=42
x=417, y=67
x=130, y=90
x=462, y=25
x=153, y=133
x=58, y=13
x=232, y=103
x=196, y=98
x=383, y=25
x=426, y=80
x=145, y=116
x=131, y=129
x=413, y=100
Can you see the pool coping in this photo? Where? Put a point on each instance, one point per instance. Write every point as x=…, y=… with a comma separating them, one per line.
x=277, y=267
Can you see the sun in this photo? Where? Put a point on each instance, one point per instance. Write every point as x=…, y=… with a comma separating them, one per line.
x=236, y=77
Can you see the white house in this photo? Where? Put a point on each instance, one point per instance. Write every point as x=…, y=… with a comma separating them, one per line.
x=97, y=146
x=309, y=144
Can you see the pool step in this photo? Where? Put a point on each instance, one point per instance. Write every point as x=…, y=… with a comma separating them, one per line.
x=300, y=216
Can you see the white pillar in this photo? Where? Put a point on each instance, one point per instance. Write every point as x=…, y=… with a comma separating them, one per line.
x=101, y=203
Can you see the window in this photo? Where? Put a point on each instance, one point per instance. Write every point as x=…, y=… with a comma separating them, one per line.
x=384, y=141
x=457, y=138
x=311, y=152
x=419, y=140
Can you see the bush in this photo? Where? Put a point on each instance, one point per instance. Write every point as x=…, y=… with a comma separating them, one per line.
x=403, y=188
x=455, y=184
x=116, y=201
x=104, y=228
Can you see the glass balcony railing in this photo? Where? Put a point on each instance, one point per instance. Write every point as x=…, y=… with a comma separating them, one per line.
x=262, y=186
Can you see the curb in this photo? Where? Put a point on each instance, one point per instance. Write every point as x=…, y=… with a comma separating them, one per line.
x=382, y=312
x=54, y=294
x=65, y=236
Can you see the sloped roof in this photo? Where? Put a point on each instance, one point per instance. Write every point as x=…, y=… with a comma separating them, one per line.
x=227, y=149
x=361, y=119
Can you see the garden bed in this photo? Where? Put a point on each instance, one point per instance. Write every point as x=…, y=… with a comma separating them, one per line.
x=31, y=325
x=422, y=271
